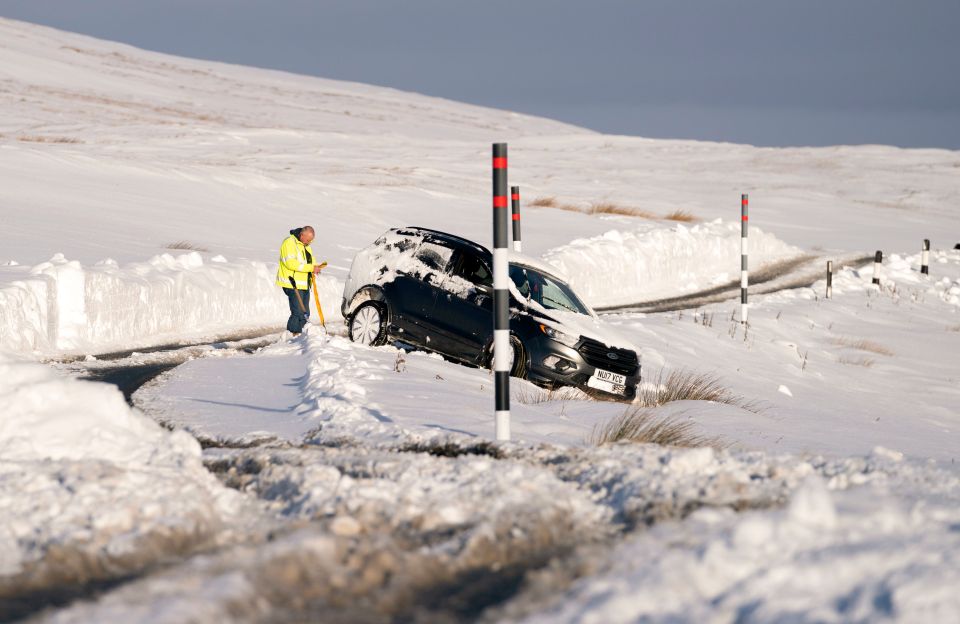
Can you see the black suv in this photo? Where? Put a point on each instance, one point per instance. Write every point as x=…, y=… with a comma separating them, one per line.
x=434, y=291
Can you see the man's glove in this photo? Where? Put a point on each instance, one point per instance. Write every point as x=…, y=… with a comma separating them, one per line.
x=318, y=268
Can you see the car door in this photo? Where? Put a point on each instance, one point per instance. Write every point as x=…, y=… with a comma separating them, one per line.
x=413, y=293
x=463, y=314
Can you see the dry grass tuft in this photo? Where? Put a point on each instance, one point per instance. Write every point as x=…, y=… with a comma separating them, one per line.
x=616, y=209
x=684, y=385
x=544, y=202
x=858, y=361
x=186, y=246
x=863, y=345
x=603, y=207
x=955, y=328
x=680, y=215
x=641, y=426
x=36, y=138
x=527, y=395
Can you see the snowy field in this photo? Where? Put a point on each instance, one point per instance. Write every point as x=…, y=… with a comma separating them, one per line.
x=144, y=198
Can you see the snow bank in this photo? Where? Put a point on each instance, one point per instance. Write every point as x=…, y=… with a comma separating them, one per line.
x=90, y=489
x=60, y=306
x=623, y=267
x=858, y=556
x=900, y=273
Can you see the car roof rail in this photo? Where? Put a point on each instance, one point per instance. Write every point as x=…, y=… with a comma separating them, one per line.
x=450, y=237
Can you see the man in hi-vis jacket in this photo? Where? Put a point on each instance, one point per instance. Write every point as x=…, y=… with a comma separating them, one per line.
x=293, y=275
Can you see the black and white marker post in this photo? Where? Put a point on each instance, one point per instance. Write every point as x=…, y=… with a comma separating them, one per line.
x=744, y=202
x=877, y=261
x=515, y=203
x=829, y=279
x=502, y=351
x=925, y=257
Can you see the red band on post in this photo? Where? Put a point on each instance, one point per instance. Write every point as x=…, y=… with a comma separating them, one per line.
x=499, y=163
x=744, y=202
x=516, y=196
x=499, y=201
x=745, y=217
x=516, y=217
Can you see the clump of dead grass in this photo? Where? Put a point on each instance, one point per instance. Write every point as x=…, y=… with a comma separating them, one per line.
x=601, y=207
x=680, y=215
x=186, y=246
x=607, y=207
x=37, y=138
x=544, y=202
x=861, y=344
x=641, y=426
x=684, y=385
x=532, y=395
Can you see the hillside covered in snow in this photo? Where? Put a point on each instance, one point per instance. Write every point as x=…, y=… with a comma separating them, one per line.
x=143, y=200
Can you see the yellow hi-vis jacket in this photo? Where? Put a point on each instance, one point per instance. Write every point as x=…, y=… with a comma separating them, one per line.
x=293, y=263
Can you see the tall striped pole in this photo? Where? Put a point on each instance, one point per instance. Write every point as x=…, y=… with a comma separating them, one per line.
x=829, y=279
x=744, y=202
x=925, y=257
x=515, y=203
x=502, y=350
x=877, y=261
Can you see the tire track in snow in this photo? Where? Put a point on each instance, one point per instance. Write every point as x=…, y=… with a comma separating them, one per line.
x=783, y=275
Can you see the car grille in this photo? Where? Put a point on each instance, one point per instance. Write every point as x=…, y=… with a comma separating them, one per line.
x=597, y=354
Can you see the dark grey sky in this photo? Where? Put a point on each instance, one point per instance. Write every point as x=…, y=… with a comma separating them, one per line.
x=767, y=72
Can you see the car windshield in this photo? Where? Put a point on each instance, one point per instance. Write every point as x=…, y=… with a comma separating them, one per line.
x=548, y=291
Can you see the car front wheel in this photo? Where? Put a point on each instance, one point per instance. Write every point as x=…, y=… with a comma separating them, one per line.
x=518, y=358
x=368, y=325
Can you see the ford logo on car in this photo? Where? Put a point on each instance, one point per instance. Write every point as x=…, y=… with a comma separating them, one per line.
x=613, y=356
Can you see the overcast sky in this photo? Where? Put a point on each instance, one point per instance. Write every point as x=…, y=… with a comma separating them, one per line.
x=766, y=72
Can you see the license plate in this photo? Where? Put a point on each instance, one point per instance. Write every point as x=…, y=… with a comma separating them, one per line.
x=614, y=378
x=608, y=382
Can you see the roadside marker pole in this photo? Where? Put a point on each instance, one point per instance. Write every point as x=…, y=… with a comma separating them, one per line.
x=502, y=351
x=515, y=199
x=829, y=279
x=744, y=202
x=878, y=260
x=925, y=257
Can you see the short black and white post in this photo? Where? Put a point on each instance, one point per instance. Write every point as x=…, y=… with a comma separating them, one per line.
x=925, y=257
x=877, y=262
x=502, y=351
x=515, y=204
x=744, y=202
x=829, y=279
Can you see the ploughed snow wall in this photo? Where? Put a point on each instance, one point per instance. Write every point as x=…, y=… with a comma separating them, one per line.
x=90, y=488
x=640, y=265
x=61, y=306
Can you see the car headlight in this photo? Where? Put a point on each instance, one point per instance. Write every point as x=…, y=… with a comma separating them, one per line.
x=559, y=336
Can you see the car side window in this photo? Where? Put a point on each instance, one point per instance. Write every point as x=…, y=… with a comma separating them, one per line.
x=472, y=269
x=433, y=257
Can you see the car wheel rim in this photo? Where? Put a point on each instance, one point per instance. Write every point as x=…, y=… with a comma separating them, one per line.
x=366, y=326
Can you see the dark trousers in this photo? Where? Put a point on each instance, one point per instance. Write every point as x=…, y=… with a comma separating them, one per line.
x=298, y=315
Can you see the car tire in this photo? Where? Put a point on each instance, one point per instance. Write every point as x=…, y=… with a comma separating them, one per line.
x=518, y=367
x=368, y=325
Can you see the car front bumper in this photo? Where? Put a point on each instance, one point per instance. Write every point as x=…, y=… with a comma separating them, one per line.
x=552, y=363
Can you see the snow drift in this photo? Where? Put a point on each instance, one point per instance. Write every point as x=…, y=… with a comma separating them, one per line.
x=61, y=306
x=623, y=267
x=92, y=490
